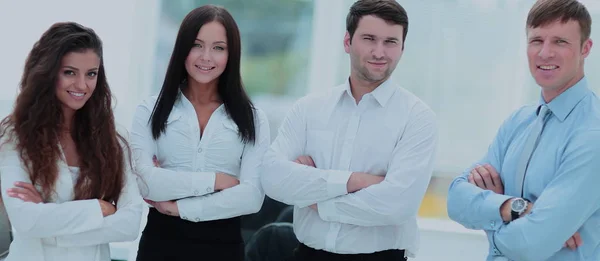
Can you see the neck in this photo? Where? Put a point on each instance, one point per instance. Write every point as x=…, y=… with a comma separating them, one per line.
x=202, y=93
x=361, y=87
x=550, y=94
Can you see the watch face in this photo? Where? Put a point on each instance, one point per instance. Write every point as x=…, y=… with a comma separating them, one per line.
x=518, y=205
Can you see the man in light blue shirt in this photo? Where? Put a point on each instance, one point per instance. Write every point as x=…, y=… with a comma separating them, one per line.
x=536, y=193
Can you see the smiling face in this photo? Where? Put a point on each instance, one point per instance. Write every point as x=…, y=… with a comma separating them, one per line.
x=375, y=49
x=556, y=56
x=76, y=80
x=208, y=57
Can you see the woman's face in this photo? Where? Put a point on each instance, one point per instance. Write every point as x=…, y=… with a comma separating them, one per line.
x=77, y=79
x=208, y=57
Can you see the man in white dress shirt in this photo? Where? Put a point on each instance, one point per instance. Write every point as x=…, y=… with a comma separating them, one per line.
x=355, y=160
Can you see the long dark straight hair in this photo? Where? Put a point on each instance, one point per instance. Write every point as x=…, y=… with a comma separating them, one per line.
x=230, y=88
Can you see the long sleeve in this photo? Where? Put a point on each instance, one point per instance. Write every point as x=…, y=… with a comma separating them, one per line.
x=292, y=183
x=123, y=225
x=567, y=202
x=477, y=208
x=396, y=199
x=44, y=219
x=160, y=184
x=245, y=198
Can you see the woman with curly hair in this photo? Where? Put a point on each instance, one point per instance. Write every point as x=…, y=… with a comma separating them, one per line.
x=66, y=177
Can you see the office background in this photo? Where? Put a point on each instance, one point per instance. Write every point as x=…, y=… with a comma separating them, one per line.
x=465, y=58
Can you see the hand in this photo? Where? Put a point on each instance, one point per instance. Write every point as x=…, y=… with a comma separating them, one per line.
x=225, y=181
x=305, y=160
x=574, y=242
x=25, y=191
x=166, y=207
x=361, y=180
x=107, y=208
x=155, y=161
x=486, y=177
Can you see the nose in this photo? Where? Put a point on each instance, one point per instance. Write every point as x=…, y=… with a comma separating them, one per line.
x=546, y=51
x=378, y=51
x=80, y=83
x=205, y=55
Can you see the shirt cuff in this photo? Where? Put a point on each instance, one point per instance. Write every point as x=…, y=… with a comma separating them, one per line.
x=491, y=211
x=337, y=183
x=327, y=211
x=189, y=210
x=203, y=183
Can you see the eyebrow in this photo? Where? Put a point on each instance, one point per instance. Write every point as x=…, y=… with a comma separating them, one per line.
x=76, y=69
x=221, y=42
x=387, y=38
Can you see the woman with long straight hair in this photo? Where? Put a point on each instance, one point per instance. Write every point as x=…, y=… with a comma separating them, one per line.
x=199, y=145
x=66, y=177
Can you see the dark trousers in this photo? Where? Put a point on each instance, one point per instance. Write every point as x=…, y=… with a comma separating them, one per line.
x=174, y=239
x=305, y=253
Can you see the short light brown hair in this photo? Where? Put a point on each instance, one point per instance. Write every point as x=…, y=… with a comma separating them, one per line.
x=545, y=12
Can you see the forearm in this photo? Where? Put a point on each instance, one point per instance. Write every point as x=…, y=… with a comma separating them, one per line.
x=239, y=200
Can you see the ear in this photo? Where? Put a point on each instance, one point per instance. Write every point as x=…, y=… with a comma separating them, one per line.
x=347, y=42
x=586, y=48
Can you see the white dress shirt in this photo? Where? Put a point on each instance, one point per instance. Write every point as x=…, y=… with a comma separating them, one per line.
x=65, y=229
x=390, y=133
x=189, y=162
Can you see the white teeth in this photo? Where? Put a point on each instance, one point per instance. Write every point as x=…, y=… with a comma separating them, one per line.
x=548, y=67
x=204, y=68
x=77, y=94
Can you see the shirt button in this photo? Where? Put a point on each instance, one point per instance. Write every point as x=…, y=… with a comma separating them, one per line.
x=197, y=219
x=492, y=224
x=184, y=217
x=208, y=189
x=199, y=150
x=196, y=192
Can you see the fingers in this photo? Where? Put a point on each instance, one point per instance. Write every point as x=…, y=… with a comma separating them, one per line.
x=477, y=178
x=470, y=178
x=150, y=202
x=577, y=238
x=25, y=185
x=497, y=181
x=571, y=243
x=155, y=161
x=305, y=160
x=486, y=176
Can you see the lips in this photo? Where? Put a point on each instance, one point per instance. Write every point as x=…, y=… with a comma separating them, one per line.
x=205, y=68
x=76, y=95
x=548, y=67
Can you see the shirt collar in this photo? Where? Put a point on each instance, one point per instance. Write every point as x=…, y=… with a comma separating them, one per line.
x=382, y=93
x=564, y=103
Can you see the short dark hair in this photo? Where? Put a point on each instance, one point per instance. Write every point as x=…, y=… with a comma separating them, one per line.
x=545, y=12
x=388, y=10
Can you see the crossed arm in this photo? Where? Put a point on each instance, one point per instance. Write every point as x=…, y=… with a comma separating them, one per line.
x=473, y=201
x=352, y=197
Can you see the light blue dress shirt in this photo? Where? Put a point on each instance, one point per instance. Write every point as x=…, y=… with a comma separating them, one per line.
x=563, y=181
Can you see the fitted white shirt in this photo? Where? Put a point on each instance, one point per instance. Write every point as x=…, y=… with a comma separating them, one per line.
x=189, y=161
x=65, y=229
x=390, y=133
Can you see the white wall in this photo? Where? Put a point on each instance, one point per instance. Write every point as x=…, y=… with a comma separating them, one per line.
x=127, y=29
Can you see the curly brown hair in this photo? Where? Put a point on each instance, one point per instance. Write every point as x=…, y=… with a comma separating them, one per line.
x=34, y=124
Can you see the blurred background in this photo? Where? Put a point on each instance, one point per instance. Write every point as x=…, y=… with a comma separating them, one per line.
x=465, y=58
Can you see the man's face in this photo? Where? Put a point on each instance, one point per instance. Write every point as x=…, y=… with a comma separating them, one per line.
x=375, y=49
x=556, y=55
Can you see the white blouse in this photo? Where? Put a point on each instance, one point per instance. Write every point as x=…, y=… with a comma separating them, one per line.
x=189, y=162
x=65, y=229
